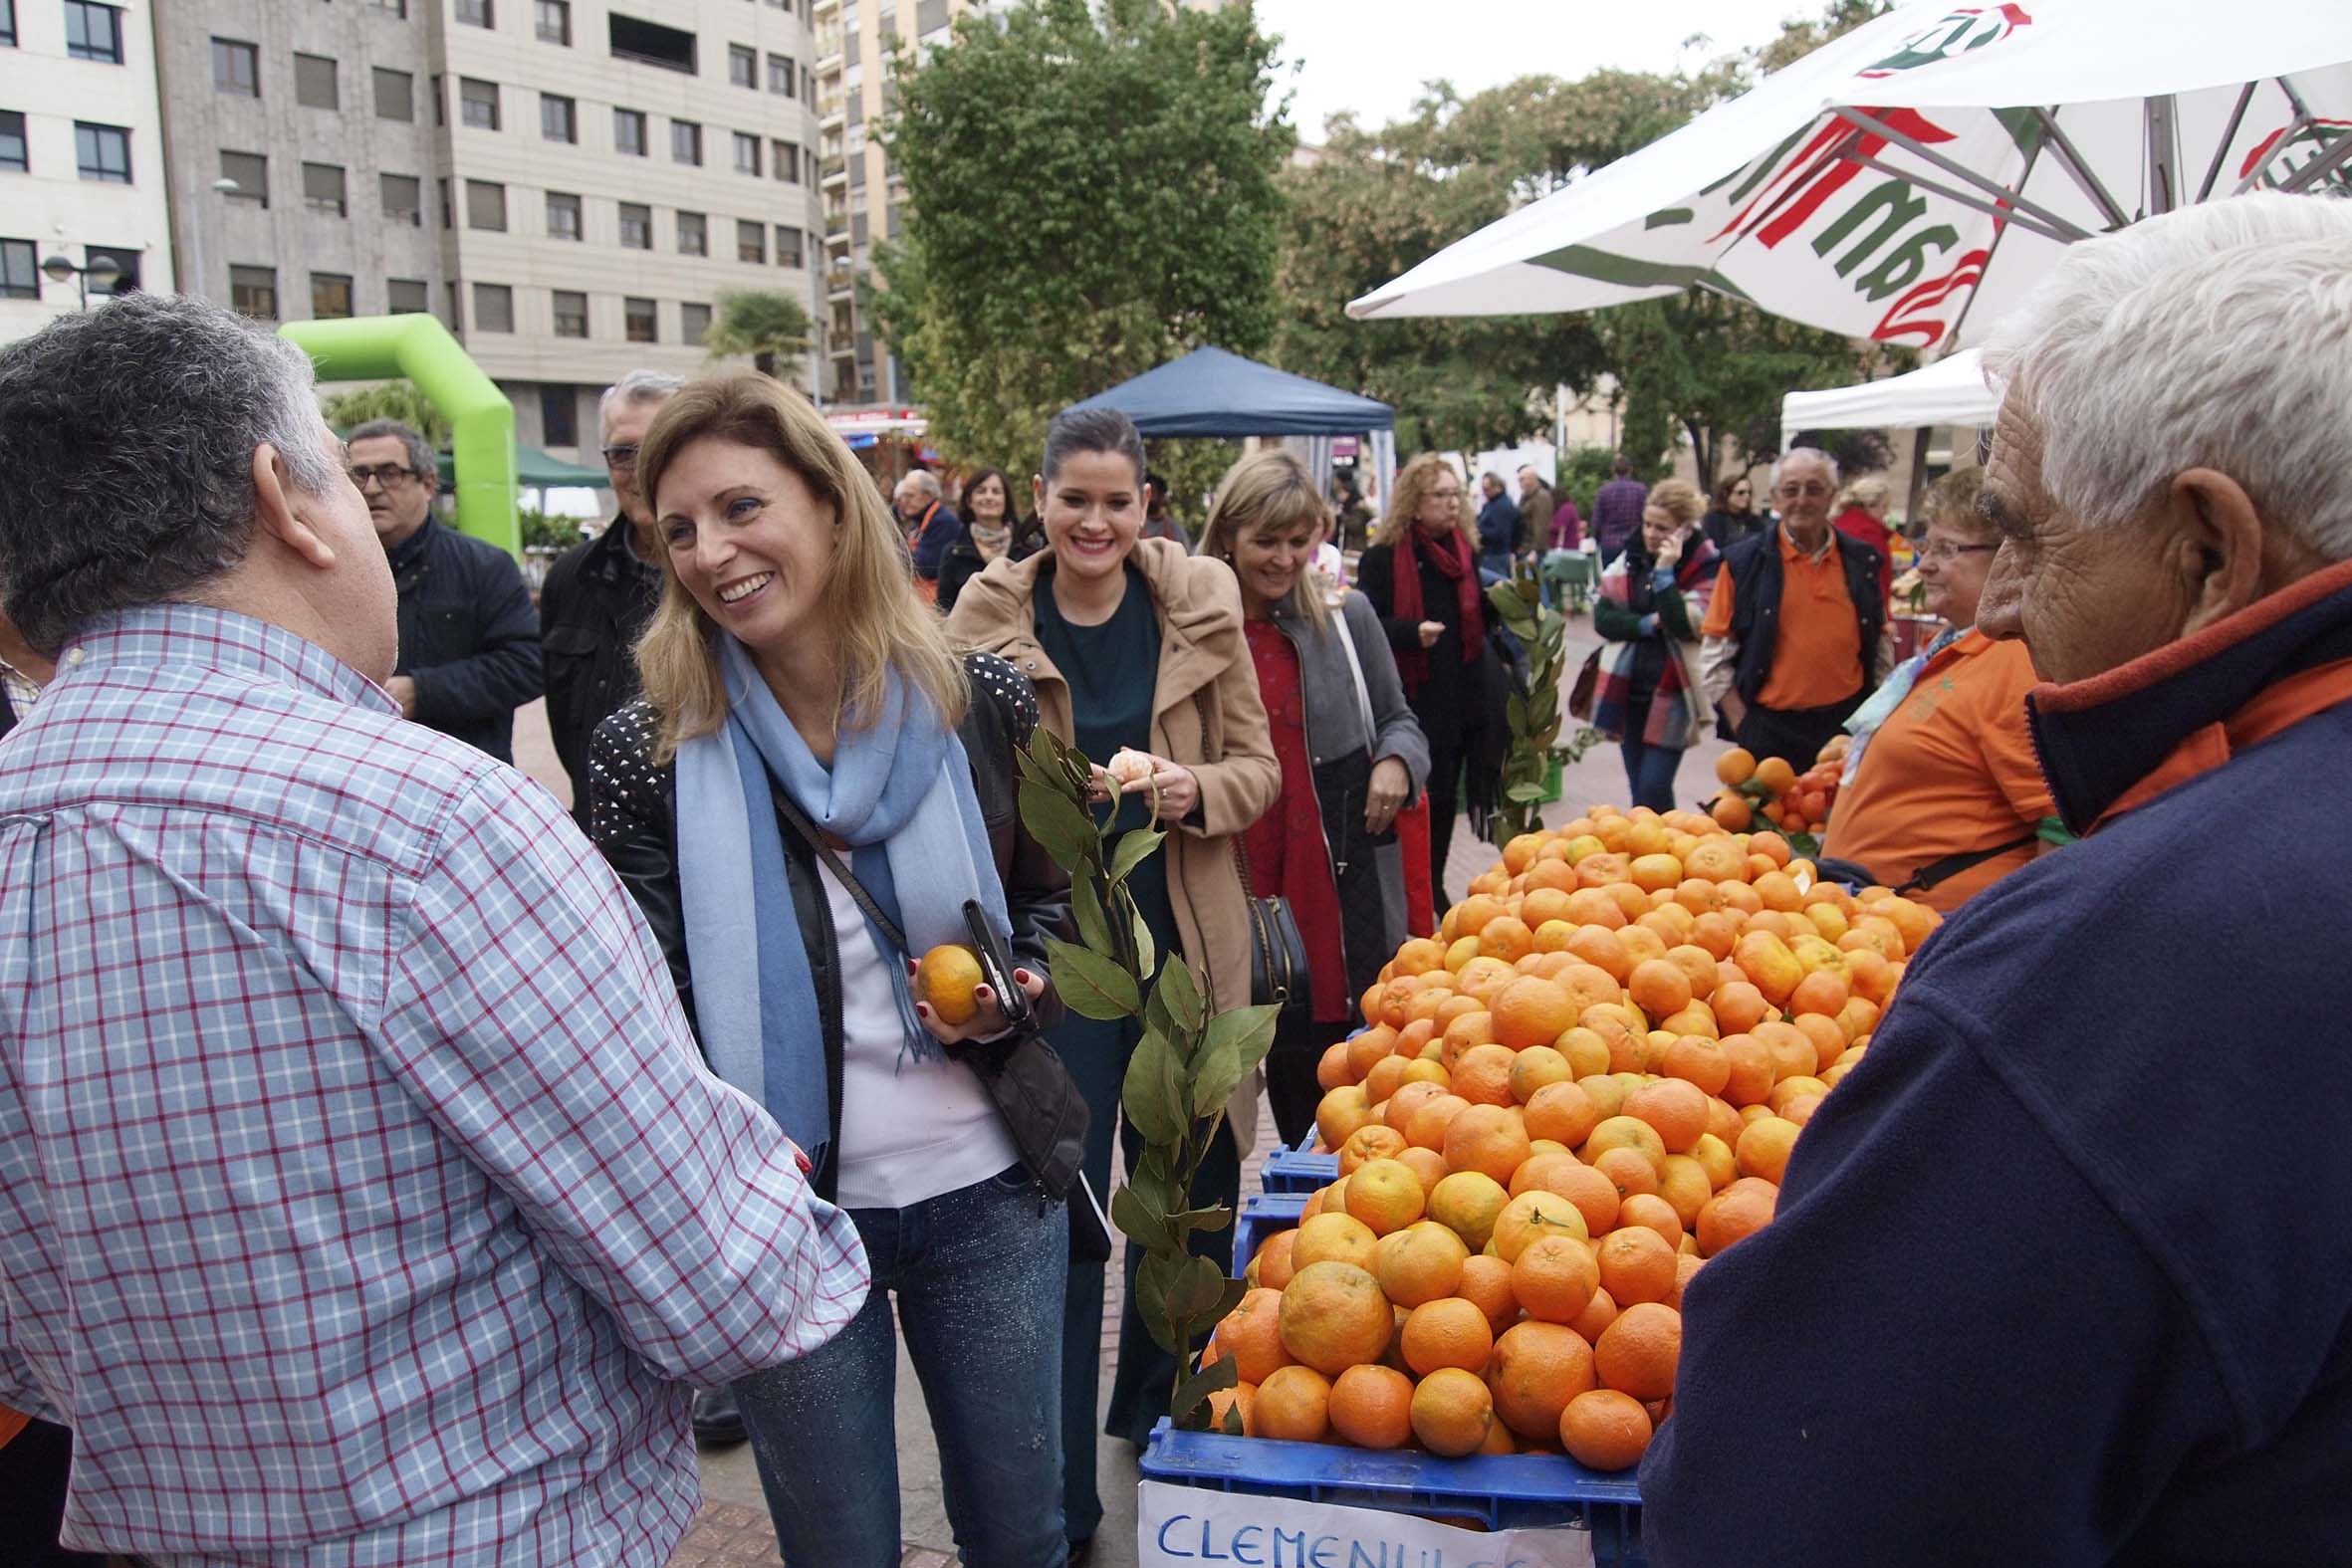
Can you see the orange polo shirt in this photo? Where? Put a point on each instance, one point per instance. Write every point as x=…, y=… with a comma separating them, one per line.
x=1817, y=659
x=1950, y=771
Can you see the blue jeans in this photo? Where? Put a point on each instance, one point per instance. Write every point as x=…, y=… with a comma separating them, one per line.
x=979, y=1274
x=1649, y=769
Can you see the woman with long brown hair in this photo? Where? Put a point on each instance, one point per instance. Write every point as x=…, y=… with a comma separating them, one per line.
x=993, y=527
x=803, y=709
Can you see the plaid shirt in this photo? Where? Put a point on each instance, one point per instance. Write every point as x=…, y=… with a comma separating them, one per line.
x=362, y=1197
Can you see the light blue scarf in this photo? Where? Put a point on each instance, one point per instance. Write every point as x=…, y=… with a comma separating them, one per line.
x=1863, y=723
x=898, y=794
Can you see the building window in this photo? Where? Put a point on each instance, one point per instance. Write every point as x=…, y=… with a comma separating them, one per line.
x=102, y=151
x=552, y=18
x=494, y=307
x=639, y=316
x=636, y=226
x=790, y=247
x=930, y=16
x=807, y=83
x=403, y=198
x=558, y=413
x=570, y=313
x=20, y=276
x=395, y=94
x=8, y=23
x=685, y=142
x=314, y=83
x=251, y=173
x=406, y=297
x=236, y=68
x=322, y=190
x=253, y=291
x=628, y=131
x=694, y=323
x=694, y=238
x=125, y=262
x=455, y=318
x=746, y=154
x=476, y=13
x=563, y=216
x=559, y=119
x=331, y=296
x=650, y=43
x=441, y=188
x=395, y=9
x=743, y=66
x=439, y=118
x=485, y=205
x=750, y=240
x=783, y=159
x=14, y=156
x=781, y=77
x=93, y=32
x=477, y=104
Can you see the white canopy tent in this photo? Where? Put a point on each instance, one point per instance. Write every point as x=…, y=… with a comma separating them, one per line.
x=1952, y=392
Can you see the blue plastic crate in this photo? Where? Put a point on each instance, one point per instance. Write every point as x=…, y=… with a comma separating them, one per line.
x=1299, y=1169
x=1498, y=1491
x=1260, y=1218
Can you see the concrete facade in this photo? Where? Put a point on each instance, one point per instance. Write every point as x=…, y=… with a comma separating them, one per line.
x=54, y=74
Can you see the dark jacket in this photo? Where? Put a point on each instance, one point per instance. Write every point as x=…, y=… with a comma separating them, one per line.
x=1498, y=528
x=2081, y=1318
x=963, y=560
x=593, y=607
x=633, y=820
x=468, y=637
x=1726, y=529
x=1535, y=519
x=1754, y=564
x=931, y=538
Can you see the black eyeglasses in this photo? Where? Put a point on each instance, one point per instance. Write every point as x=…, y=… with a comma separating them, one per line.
x=623, y=457
x=385, y=474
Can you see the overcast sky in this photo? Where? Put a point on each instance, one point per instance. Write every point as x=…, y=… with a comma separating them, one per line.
x=1372, y=56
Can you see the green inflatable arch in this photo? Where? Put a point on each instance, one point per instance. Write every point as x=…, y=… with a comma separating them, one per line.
x=481, y=420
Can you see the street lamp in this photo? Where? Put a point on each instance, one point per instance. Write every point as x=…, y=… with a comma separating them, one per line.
x=106, y=270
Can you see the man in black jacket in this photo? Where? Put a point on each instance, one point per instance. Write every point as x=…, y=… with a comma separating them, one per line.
x=599, y=593
x=469, y=641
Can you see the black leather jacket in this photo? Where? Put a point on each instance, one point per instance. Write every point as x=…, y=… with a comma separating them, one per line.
x=593, y=607
x=632, y=816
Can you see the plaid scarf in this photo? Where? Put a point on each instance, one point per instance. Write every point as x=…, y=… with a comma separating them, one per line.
x=1676, y=715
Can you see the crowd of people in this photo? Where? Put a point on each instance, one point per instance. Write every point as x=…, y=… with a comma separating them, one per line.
x=396, y=1169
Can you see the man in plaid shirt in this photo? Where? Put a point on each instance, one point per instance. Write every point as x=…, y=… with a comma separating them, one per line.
x=362, y=1197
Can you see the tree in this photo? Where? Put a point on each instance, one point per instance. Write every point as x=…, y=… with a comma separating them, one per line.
x=1091, y=193
x=762, y=323
x=401, y=400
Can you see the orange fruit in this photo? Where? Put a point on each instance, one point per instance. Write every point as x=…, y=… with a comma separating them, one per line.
x=1736, y=766
x=1625, y=1131
x=1604, y=1430
x=1765, y=1146
x=1775, y=774
x=1590, y=1191
x=1535, y=1370
x=1341, y=1112
x=1331, y=1238
x=1752, y=1075
x=1652, y=1212
x=1452, y=1412
x=1450, y=1332
x=1368, y=1047
x=1685, y=1186
x=1372, y=1407
x=1533, y=1213
x=1331, y=1070
x=1427, y=1165
x=1698, y=1061
x=1637, y=1353
x=1597, y=1317
x=1486, y=1139
x=1659, y=988
x=1420, y=1264
x=1506, y=936
x=1293, y=1405
x=1823, y=992
x=1636, y=1264
x=1243, y=1396
x=1465, y=1030
x=1409, y=1097
x=1275, y=1268
x=1334, y=1316
x=1373, y=1141
x=1532, y=1013
x=1540, y=906
x=1686, y=1269
x=1385, y=1196
x=1467, y=1204
x=1482, y=1075
x=1562, y=1112
x=1599, y=946
x=1538, y=1068
x=1788, y=1090
x=1553, y=1278
x=1630, y=1171
x=948, y=978
x=1732, y=1215
x=1418, y=956
x=1426, y=1127
x=1251, y=1334
x=1385, y=1078
x=1674, y=1109
x=1487, y=1282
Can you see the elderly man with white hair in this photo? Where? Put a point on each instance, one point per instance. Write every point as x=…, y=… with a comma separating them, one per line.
x=931, y=528
x=2069, y=1246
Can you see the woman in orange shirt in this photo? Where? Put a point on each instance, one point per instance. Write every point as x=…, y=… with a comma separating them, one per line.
x=1943, y=787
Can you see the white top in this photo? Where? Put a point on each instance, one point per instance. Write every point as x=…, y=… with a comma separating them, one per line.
x=910, y=1129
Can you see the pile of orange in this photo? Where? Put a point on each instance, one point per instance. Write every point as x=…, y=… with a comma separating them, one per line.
x=1776, y=792
x=1588, y=1084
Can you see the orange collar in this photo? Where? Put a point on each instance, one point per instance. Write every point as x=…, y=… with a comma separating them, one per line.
x=2279, y=708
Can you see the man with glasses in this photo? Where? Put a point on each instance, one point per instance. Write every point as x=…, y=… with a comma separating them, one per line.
x=599, y=594
x=1795, y=631
x=469, y=640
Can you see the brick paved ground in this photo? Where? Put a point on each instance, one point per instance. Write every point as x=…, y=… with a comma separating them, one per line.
x=733, y=1529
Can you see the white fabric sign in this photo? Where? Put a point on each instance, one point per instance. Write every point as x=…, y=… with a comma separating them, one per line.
x=1191, y=1526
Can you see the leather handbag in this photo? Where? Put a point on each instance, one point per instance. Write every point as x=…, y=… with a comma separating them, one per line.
x=1587, y=683
x=1278, y=960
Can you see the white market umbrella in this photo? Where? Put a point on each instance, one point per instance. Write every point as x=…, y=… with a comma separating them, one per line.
x=1952, y=392
x=1912, y=179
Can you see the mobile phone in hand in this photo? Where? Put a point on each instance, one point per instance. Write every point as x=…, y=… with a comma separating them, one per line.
x=996, y=964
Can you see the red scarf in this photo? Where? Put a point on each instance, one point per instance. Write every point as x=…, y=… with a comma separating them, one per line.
x=1451, y=556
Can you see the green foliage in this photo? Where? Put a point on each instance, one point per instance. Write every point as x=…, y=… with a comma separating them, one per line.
x=762, y=324
x=1185, y=1068
x=401, y=400
x=1534, y=711
x=1091, y=193
x=543, y=531
x=1582, y=472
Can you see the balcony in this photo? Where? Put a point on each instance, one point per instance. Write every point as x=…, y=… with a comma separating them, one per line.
x=833, y=171
x=839, y=281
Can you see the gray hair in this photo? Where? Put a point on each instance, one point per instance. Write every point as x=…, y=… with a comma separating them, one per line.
x=1809, y=453
x=2215, y=337
x=922, y=479
x=126, y=442
x=421, y=452
x=638, y=386
x=1076, y=430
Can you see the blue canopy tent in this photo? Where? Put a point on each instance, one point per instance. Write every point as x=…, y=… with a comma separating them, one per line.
x=1210, y=392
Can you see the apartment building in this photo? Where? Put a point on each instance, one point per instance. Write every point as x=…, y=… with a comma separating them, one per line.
x=568, y=186
x=82, y=159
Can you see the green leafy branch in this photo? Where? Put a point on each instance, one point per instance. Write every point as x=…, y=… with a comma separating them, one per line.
x=1535, y=712
x=1186, y=1065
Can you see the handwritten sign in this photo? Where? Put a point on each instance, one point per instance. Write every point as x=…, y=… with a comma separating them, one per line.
x=1192, y=1528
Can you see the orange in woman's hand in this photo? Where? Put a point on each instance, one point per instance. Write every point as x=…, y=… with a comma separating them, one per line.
x=947, y=978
